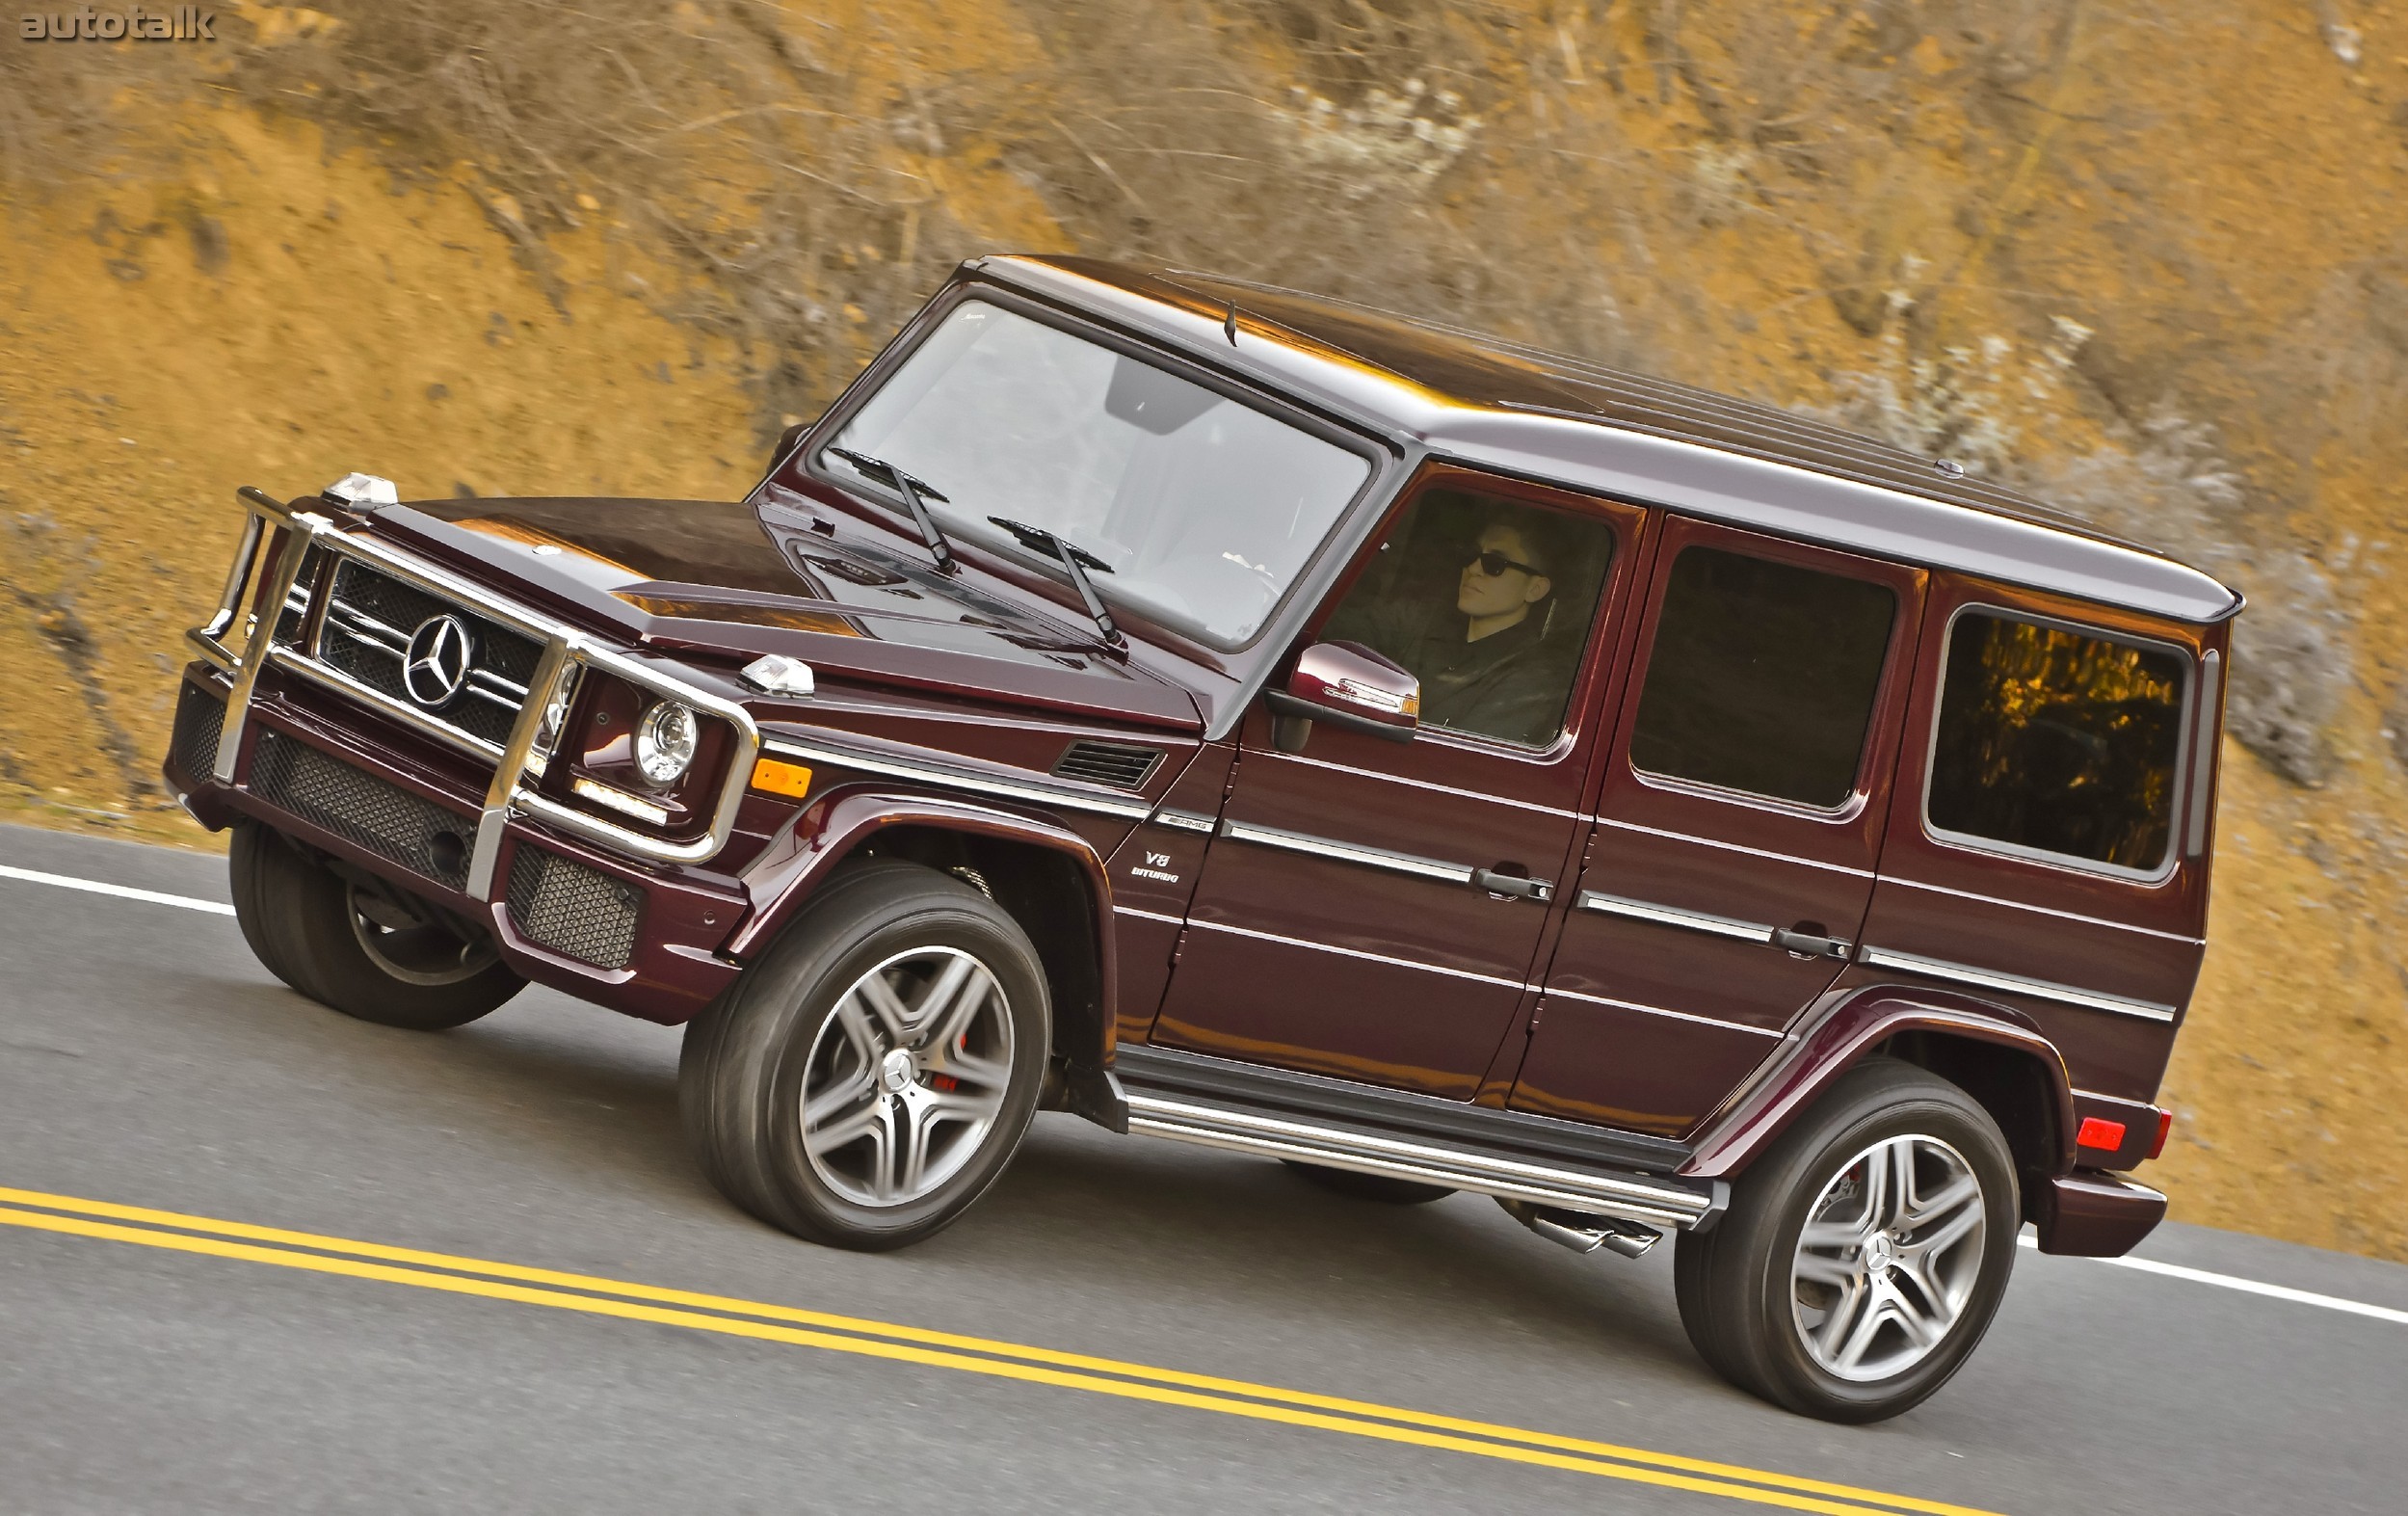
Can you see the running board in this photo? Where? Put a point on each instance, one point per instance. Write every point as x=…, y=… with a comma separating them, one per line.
x=1632, y=1197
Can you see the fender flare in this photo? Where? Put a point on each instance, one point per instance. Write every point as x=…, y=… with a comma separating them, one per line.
x=828, y=829
x=1829, y=1047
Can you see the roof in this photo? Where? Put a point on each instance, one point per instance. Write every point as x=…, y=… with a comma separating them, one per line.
x=1547, y=415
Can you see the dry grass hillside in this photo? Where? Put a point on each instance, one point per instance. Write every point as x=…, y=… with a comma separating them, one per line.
x=2150, y=260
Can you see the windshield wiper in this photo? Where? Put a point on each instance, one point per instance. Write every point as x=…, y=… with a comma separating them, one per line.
x=914, y=492
x=1036, y=538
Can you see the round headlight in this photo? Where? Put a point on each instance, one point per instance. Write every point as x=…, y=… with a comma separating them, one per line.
x=664, y=742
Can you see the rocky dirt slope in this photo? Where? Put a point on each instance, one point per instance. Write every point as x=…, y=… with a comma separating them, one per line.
x=2151, y=261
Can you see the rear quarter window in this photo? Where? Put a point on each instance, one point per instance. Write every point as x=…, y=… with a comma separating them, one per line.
x=2055, y=741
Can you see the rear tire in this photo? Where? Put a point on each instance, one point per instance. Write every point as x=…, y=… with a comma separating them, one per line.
x=382, y=958
x=1862, y=1255
x=871, y=1076
x=1369, y=1186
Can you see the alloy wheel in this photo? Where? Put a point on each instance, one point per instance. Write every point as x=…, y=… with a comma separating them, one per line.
x=906, y=1077
x=1889, y=1258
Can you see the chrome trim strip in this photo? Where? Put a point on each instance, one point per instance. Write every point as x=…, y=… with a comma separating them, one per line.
x=1182, y=821
x=1151, y=916
x=1665, y=916
x=1356, y=952
x=2021, y=905
x=927, y=773
x=1774, y=1032
x=2014, y=984
x=1734, y=847
x=1243, y=1132
x=2201, y=756
x=1565, y=814
x=1348, y=853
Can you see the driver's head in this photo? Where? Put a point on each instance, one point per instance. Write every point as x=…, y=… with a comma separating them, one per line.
x=1508, y=572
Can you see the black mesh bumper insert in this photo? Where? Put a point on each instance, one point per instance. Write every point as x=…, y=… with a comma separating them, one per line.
x=362, y=810
x=199, y=721
x=576, y=912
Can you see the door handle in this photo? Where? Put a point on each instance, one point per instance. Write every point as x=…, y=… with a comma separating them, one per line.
x=1808, y=943
x=1496, y=884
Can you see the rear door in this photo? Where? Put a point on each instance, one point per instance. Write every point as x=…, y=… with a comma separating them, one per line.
x=1744, y=794
x=1335, y=927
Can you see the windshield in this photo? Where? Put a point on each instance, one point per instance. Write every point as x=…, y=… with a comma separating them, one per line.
x=1206, y=507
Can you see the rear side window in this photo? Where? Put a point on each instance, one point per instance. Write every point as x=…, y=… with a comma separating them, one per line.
x=1764, y=677
x=2057, y=741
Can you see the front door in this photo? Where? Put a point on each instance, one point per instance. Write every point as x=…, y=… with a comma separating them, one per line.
x=1337, y=927
x=1740, y=820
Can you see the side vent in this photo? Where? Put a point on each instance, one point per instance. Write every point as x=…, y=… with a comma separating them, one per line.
x=1114, y=764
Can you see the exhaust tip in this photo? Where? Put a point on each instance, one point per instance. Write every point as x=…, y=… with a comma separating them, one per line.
x=1580, y=1233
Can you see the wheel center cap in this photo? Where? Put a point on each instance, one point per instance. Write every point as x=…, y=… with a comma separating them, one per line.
x=894, y=1072
x=1878, y=1255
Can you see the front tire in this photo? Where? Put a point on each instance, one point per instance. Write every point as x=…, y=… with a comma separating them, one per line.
x=1863, y=1256
x=872, y=1075
x=382, y=957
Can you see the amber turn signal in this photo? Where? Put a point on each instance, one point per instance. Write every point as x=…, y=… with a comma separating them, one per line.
x=782, y=779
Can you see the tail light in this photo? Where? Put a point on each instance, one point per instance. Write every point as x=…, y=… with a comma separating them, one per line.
x=2165, y=1124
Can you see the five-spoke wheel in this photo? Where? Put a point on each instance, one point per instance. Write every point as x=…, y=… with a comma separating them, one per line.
x=906, y=1077
x=871, y=1076
x=1888, y=1258
x=1862, y=1255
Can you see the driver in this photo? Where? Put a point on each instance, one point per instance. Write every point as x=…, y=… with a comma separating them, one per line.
x=1485, y=669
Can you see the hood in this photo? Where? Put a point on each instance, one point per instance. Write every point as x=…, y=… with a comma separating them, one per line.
x=712, y=577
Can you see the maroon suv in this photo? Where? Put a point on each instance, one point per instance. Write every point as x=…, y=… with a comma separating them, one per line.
x=1261, y=722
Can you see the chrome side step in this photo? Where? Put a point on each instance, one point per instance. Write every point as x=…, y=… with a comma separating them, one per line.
x=1630, y=1197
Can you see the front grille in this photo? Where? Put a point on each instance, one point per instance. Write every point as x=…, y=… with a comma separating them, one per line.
x=370, y=620
x=577, y=912
x=199, y=721
x=362, y=810
x=1115, y=763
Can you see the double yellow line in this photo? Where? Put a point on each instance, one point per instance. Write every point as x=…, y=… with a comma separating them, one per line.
x=73, y=1217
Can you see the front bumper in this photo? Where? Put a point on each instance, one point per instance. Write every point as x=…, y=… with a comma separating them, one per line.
x=635, y=938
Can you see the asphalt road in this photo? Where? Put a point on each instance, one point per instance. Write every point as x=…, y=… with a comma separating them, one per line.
x=147, y=1060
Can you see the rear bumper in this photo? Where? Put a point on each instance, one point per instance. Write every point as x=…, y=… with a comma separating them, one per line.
x=2090, y=1215
x=641, y=939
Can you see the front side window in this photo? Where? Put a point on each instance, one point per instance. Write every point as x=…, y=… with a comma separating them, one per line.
x=1764, y=677
x=1488, y=602
x=1206, y=507
x=2056, y=741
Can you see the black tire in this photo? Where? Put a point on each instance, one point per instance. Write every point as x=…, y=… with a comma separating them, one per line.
x=1370, y=1186
x=1767, y=1329
x=320, y=934
x=749, y=1059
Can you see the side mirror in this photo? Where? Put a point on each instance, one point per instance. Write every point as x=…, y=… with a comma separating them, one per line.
x=785, y=442
x=1346, y=684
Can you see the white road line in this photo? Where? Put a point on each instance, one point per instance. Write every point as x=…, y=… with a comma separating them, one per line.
x=34, y=876
x=2200, y=1276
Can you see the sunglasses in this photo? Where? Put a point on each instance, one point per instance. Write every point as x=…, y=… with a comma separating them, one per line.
x=1493, y=563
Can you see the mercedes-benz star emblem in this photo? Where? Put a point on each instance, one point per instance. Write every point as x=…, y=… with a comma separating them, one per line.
x=436, y=668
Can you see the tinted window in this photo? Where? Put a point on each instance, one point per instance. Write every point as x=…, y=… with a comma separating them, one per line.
x=1488, y=602
x=1764, y=677
x=2053, y=740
